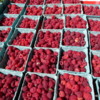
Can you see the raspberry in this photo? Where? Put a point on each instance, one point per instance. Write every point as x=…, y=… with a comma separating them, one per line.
x=61, y=94
x=73, y=97
x=87, y=96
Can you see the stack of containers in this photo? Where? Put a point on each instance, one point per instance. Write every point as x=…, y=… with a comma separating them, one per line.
x=51, y=40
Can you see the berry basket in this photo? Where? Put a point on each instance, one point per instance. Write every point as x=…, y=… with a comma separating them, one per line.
x=82, y=16
x=13, y=74
x=43, y=71
x=53, y=6
x=59, y=17
x=52, y=31
x=86, y=66
x=92, y=62
x=91, y=38
x=10, y=32
x=87, y=76
x=92, y=10
x=35, y=18
x=13, y=23
x=73, y=11
x=4, y=62
x=21, y=31
x=54, y=77
x=93, y=23
x=37, y=6
x=22, y=6
x=81, y=31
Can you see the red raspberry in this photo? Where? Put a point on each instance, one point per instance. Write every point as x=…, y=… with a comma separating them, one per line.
x=87, y=96
x=61, y=94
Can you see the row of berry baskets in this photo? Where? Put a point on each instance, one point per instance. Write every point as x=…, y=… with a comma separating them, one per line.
x=49, y=57
x=54, y=9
